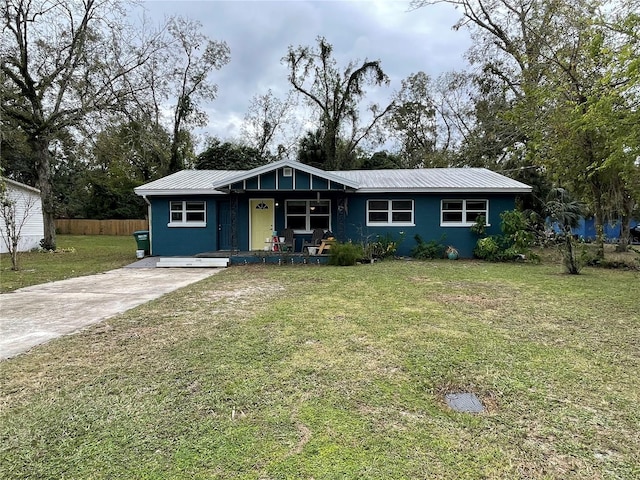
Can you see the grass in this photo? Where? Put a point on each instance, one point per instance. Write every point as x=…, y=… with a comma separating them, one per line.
x=77, y=255
x=266, y=372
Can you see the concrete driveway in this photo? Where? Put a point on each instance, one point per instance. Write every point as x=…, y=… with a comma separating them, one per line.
x=34, y=315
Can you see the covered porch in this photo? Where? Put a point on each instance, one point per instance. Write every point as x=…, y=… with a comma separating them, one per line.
x=267, y=257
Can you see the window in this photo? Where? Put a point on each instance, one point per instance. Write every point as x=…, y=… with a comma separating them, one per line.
x=390, y=212
x=463, y=213
x=306, y=215
x=187, y=214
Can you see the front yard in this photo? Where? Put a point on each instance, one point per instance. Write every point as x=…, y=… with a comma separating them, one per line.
x=77, y=255
x=329, y=372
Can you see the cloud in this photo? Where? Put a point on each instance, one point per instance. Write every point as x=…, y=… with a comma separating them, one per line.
x=260, y=32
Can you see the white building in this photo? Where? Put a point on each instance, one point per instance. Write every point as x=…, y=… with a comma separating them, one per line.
x=28, y=213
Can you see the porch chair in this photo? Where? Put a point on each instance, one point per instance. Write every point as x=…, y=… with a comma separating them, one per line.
x=316, y=239
x=289, y=240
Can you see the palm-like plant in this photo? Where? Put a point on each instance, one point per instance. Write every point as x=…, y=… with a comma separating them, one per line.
x=566, y=212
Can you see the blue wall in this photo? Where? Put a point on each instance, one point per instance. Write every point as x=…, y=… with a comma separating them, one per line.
x=172, y=241
x=427, y=221
x=169, y=241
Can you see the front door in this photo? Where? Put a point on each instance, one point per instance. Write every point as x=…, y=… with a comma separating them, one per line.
x=224, y=226
x=262, y=221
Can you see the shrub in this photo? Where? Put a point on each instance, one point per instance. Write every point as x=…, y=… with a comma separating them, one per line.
x=428, y=250
x=345, y=254
x=480, y=227
x=384, y=247
x=487, y=249
x=515, y=242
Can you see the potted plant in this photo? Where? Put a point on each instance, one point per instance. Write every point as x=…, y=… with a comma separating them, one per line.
x=451, y=252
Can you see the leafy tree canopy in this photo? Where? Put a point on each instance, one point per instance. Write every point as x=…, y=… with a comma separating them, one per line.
x=230, y=156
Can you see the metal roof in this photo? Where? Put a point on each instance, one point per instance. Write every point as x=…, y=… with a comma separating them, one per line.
x=191, y=182
x=434, y=180
x=462, y=180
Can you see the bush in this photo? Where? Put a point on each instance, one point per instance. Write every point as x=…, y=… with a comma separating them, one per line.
x=487, y=249
x=515, y=242
x=345, y=254
x=428, y=250
x=384, y=247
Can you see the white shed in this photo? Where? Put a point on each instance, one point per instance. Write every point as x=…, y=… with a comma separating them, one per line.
x=28, y=213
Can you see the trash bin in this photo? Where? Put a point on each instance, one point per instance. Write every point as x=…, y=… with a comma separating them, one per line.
x=142, y=239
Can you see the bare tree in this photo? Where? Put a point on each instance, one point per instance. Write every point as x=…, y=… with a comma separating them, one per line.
x=192, y=58
x=61, y=63
x=313, y=72
x=412, y=120
x=265, y=123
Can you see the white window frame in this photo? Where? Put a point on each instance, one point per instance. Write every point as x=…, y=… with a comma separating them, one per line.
x=390, y=210
x=307, y=215
x=464, y=211
x=184, y=222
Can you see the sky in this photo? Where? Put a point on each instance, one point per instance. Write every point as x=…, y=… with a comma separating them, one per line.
x=259, y=33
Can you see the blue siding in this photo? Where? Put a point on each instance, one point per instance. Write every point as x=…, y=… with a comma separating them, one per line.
x=303, y=180
x=172, y=241
x=190, y=241
x=320, y=183
x=268, y=181
x=284, y=183
x=427, y=221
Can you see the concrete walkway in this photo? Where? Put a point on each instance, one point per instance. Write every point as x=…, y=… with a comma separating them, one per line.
x=34, y=315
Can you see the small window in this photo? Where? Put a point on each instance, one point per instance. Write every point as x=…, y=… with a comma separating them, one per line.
x=462, y=213
x=287, y=172
x=187, y=213
x=390, y=212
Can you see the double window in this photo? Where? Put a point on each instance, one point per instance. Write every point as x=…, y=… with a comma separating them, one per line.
x=390, y=212
x=307, y=215
x=463, y=213
x=187, y=213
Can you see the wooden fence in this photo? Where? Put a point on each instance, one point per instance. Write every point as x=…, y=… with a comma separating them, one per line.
x=76, y=226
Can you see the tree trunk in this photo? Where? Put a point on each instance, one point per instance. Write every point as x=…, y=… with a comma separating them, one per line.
x=625, y=224
x=40, y=148
x=599, y=219
x=625, y=233
x=331, y=146
x=175, y=162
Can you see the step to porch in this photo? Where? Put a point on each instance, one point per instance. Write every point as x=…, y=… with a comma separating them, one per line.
x=176, y=262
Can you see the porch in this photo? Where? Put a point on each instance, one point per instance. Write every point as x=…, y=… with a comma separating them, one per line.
x=258, y=256
x=235, y=258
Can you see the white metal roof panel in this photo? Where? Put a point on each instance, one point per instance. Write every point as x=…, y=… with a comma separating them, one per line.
x=434, y=180
x=463, y=180
x=190, y=182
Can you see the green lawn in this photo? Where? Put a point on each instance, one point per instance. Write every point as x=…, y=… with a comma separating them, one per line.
x=267, y=372
x=77, y=255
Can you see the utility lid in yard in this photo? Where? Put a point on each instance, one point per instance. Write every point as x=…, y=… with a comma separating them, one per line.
x=464, y=402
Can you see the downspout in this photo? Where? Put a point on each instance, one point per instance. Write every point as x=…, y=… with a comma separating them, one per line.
x=150, y=223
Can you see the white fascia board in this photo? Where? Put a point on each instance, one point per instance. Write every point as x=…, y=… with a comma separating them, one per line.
x=444, y=190
x=20, y=185
x=174, y=193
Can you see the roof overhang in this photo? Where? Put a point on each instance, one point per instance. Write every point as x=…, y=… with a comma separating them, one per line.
x=13, y=183
x=174, y=193
x=449, y=190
